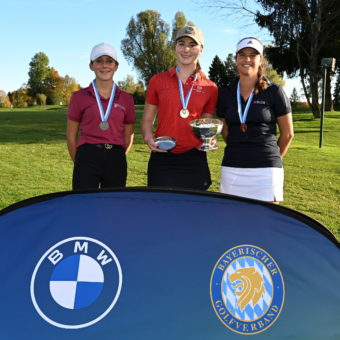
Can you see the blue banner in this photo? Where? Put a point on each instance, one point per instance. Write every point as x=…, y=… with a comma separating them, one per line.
x=163, y=264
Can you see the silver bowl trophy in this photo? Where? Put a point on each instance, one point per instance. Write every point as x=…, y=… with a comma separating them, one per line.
x=206, y=129
x=165, y=142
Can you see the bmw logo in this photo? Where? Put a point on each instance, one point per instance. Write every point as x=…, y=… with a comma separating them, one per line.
x=76, y=283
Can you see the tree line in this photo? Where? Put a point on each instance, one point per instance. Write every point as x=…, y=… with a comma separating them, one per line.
x=44, y=86
x=304, y=32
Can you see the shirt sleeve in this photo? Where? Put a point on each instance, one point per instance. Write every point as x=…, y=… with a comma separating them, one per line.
x=152, y=94
x=281, y=102
x=73, y=111
x=210, y=106
x=130, y=116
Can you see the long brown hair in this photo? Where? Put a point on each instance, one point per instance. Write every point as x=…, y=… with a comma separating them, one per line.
x=262, y=83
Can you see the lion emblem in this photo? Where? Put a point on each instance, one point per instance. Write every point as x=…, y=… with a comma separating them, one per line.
x=251, y=283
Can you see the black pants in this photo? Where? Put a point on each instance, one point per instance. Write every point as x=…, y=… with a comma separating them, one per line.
x=187, y=170
x=98, y=167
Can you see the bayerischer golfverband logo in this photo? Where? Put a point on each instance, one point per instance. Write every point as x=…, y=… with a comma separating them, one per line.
x=247, y=289
x=76, y=283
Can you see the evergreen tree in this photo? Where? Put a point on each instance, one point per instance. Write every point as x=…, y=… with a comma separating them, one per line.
x=222, y=73
x=230, y=68
x=294, y=98
x=217, y=72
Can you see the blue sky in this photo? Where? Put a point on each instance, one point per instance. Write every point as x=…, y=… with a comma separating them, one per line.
x=66, y=30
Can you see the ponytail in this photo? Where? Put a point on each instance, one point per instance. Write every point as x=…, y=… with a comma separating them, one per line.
x=262, y=83
x=198, y=68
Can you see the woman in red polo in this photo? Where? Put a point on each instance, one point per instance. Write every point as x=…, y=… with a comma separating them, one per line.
x=100, y=126
x=176, y=97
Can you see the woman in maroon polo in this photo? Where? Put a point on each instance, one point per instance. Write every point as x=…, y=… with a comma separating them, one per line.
x=100, y=122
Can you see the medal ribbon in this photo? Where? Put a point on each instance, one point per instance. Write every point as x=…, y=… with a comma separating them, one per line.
x=104, y=117
x=243, y=117
x=184, y=101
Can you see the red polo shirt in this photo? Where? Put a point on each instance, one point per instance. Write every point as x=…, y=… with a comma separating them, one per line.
x=163, y=91
x=83, y=108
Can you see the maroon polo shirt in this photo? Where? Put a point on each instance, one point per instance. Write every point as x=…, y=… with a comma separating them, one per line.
x=83, y=108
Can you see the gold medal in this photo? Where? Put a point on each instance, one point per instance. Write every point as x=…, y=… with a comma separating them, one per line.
x=184, y=113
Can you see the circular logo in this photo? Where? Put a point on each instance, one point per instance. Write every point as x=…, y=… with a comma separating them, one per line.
x=76, y=283
x=247, y=289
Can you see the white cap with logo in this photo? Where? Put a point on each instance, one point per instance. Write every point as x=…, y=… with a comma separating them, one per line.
x=103, y=49
x=250, y=42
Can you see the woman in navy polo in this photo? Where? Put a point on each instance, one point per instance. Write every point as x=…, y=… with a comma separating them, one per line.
x=100, y=126
x=251, y=108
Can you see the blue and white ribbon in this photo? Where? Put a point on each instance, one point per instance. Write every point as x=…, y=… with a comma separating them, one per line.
x=243, y=116
x=184, y=101
x=104, y=116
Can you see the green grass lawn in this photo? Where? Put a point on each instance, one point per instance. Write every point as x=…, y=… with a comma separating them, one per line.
x=34, y=161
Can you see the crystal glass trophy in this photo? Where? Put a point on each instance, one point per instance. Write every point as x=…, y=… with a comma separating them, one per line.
x=206, y=129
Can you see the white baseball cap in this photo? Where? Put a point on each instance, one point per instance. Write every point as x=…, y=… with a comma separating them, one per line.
x=250, y=42
x=103, y=49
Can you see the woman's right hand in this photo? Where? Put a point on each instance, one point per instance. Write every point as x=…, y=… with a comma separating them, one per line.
x=152, y=145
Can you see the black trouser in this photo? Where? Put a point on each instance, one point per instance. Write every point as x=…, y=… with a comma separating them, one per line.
x=99, y=166
x=186, y=170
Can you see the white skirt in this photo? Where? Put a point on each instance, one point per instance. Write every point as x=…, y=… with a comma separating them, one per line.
x=265, y=184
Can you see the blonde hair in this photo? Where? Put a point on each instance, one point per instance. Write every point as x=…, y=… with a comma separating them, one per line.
x=198, y=68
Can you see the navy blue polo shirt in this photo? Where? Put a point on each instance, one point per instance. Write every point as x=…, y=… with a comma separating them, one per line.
x=257, y=147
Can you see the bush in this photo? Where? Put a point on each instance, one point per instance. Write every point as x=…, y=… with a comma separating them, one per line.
x=301, y=106
x=41, y=99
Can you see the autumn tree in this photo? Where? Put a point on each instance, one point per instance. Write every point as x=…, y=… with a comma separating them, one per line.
x=70, y=85
x=179, y=22
x=4, y=99
x=53, y=87
x=136, y=89
x=273, y=75
x=128, y=84
x=21, y=98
